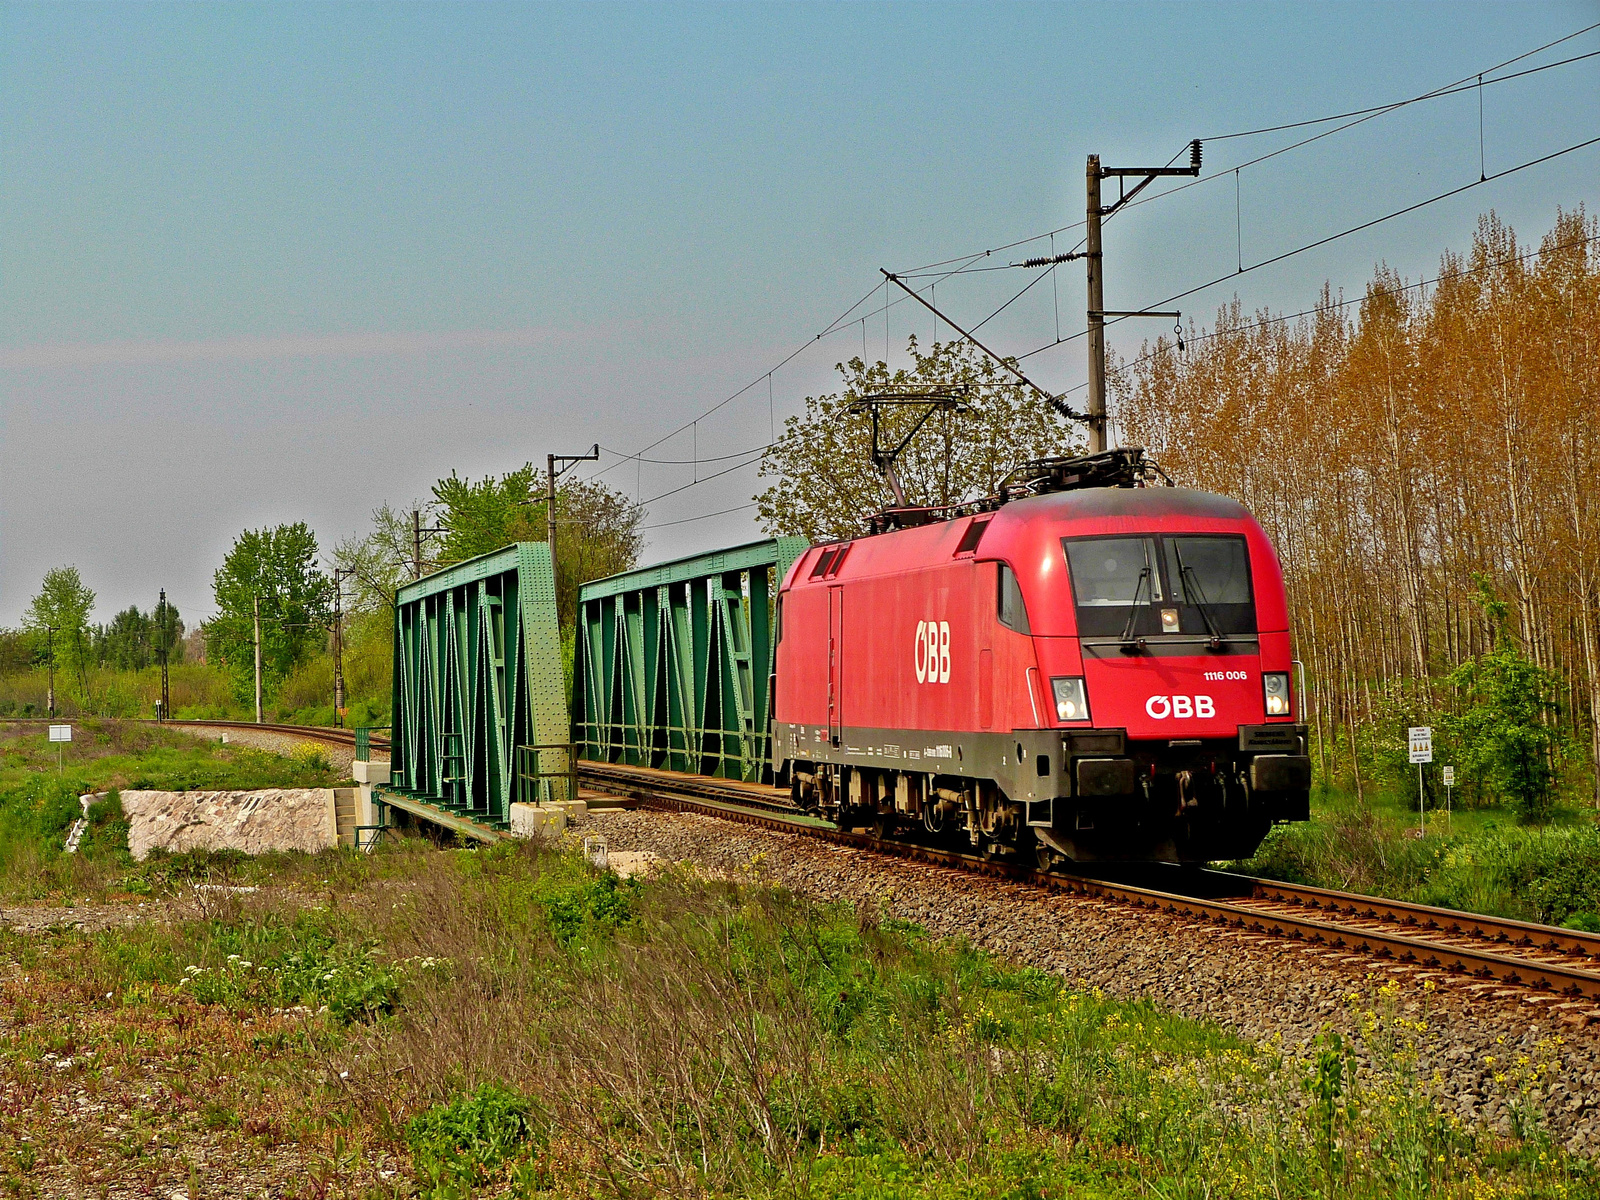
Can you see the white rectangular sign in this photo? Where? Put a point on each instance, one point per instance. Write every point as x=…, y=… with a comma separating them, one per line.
x=1421, y=743
x=61, y=733
x=1449, y=777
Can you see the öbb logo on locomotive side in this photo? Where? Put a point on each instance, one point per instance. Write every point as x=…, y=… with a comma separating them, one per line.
x=1161, y=707
x=932, y=652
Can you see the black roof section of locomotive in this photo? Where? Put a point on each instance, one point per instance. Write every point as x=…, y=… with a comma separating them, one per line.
x=1130, y=502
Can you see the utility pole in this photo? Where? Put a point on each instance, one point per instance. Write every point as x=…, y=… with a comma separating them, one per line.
x=50, y=654
x=1093, y=174
x=164, y=634
x=417, y=530
x=1097, y=320
x=553, y=473
x=338, y=648
x=257, y=603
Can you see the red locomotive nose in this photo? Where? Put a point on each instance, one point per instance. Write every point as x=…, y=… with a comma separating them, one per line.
x=1176, y=697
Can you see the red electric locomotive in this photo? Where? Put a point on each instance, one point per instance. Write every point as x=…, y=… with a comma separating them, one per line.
x=1085, y=673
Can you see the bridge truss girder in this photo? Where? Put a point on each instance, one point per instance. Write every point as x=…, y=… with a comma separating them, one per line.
x=479, y=687
x=673, y=663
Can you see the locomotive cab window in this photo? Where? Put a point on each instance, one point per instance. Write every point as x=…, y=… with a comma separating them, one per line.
x=1013, y=612
x=1182, y=587
x=1208, y=570
x=1113, y=572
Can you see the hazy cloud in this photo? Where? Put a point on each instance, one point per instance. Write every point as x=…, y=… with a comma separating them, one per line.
x=255, y=348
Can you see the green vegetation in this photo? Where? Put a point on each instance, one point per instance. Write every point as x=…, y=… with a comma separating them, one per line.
x=1506, y=740
x=39, y=803
x=269, y=580
x=58, y=620
x=510, y=1022
x=823, y=476
x=599, y=524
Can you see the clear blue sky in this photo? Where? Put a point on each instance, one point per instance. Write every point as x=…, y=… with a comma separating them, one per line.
x=277, y=262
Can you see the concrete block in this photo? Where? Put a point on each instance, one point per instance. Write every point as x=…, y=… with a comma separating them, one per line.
x=527, y=821
x=370, y=772
x=366, y=809
x=255, y=822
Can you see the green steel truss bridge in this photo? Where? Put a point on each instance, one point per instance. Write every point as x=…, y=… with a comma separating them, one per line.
x=673, y=664
x=480, y=707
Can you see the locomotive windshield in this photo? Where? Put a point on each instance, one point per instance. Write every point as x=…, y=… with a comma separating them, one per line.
x=1183, y=587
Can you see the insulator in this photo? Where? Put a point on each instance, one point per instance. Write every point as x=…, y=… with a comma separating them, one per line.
x=1194, y=154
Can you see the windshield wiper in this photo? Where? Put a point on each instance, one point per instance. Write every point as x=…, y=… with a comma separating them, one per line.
x=1133, y=613
x=1193, y=590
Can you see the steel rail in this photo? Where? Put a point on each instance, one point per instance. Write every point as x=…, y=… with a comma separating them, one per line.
x=760, y=805
x=1423, y=919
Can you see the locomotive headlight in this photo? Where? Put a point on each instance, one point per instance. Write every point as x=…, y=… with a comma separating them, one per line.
x=1275, y=687
x=1072, y=698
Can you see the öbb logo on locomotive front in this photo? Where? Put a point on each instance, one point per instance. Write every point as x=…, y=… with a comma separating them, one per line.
x=932, y=653
x=1159, y=708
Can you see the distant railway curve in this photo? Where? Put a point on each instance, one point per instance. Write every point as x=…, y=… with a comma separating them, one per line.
x=313, y=733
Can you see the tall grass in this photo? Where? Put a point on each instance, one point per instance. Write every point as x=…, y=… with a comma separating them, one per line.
x=196, y=690
x=517, y=1024
x=694, y=1038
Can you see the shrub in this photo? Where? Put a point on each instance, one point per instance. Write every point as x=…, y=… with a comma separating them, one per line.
x=1508, y=736
x=1550, y=875
x=604, y=902
x=311, y=756
x=473, y=1140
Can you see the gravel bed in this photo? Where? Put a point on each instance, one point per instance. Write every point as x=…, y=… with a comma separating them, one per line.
x=1256, y=986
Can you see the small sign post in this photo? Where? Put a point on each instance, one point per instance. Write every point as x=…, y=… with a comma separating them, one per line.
x=1449, y=782
x=60, y=734
x=1421, y=739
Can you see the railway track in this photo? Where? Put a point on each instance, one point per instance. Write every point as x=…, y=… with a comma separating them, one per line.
x=1501, y=956
x=315, y=733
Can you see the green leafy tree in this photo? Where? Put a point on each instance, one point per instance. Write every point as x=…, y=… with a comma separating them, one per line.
x=16, y=651
x=379, y=561
x=63, y=604
x=278, y=567
x=1507, y=739
x=597, y=527
x=826, y=484
x=484, y=516
x=134, y=639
